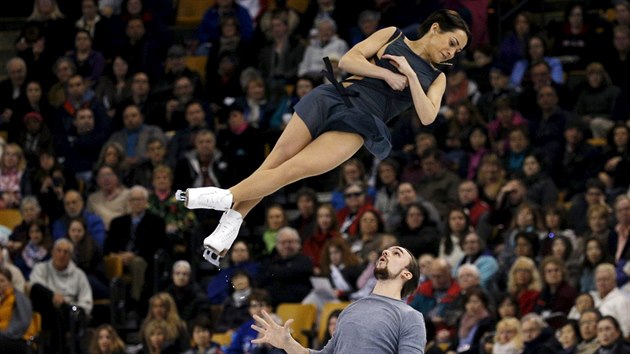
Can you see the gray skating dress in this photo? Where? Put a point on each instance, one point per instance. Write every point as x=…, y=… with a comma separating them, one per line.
x=367, y=104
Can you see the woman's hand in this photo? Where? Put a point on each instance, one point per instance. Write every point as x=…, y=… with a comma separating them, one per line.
x=272, y=333
x=400, y=63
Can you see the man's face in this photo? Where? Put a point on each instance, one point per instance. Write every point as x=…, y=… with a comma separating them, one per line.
x=183, y=88
x=76, y=88
x=73, y=204
x=181, y=276
x=406, y=194
x=440, y=277
x=622, y=211
x=195, y=116
x=156, y=152
x=138, y=202
x=531, y=331
x=392, y=262
x=588, y=325
x=355, y=197
x=498, y=80
x=132, y=117
x=607, y=334
x=467, y=193
x=430, y=166
x=84, y=121
x=604, y=282
x=61, y=256
x=205, y=144
x=547, y=98
x=288, y=245
x=135, y=29
x=140, y=84
x=17, y=72
x=540, y=76
x=306, y=205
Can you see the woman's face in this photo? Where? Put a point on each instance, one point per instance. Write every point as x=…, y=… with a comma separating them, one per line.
x=414, y=218
x=76, y=231
x=159, y=309
x=567, y=337
x=558, y=248
x=63, y=71
x=239, y=253
x=477, y=139
x=156, y=339
x=120, y=67
x=525, y=218
x=607, y=334
x=593, y=252
x=553, y=274
x=161, y=181
x=351, y=173
x=552, y=220
x=531, y=166
x=620, y=137
x=111, y=156
x=386, y=174
x=522, y=277
x=523, y=248
x=368, y=223
x=324, y=218
x=335, y=255
x=457, y=221
x=33, y=92
x=105, y=339
x=467, y=279
x=594, y=79
x=474, y=305
x=35, y=234
x=82, y=41
x=332, y=325
x=240, y=283
x=88, y=9
x=229, y=29
x=256, y=90
x=303, y=87
x=597, y=223
x=584, y=302
x=576, y=18
x=11, y=157
x=463, y=115
x=506, y=335
x=521, y=25
x=507, y=309
x=275, y=218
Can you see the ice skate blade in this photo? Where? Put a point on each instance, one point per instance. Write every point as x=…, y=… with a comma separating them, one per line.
x=180, y=195
x=211, y=256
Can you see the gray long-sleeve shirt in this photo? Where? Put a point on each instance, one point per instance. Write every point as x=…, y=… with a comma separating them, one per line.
x=379, y=325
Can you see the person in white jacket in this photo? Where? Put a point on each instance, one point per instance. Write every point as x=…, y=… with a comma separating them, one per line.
x=61, y=293
x=610, y=300
x=325, y=44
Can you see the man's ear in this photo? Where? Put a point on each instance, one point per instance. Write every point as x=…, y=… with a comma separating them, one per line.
x=406, y=274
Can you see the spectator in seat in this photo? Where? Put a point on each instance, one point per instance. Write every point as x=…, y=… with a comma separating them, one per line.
x=16, y=315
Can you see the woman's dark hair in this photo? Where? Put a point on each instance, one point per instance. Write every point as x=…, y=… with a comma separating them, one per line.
x=614, y=322
x=576, y=328
x=327, y=336
x=448, y=242
x=611, y=135
x=449, y=21
x=568, y=247
x=508, y=297
x=394, y=164
x=202, y=321
x=605, y=257
x=243, y=273
x=380, y=224
x=545, y=46
x=479, y=293
x=82, y=30
x=532, y=239
x=47, y=241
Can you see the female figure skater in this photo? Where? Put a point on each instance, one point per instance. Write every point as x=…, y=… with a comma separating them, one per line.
x=391, y=73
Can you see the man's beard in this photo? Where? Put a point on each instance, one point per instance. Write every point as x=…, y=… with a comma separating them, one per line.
x=384, y=273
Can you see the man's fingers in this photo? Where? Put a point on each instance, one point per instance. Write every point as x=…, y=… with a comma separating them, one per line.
x=261, y=320
x=258, y=329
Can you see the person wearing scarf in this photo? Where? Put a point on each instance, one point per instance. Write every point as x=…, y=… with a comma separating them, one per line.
x=475, y=322
x=15, y=315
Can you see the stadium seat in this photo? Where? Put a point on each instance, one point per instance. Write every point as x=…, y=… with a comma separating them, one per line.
x=190, y=12
x=303, y=316
x=322, y=324
x=197, y=63
x=10, y=218
x=223, y=339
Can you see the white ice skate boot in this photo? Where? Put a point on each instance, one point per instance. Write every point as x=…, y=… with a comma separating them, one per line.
x=205, y=198
x=219, y=241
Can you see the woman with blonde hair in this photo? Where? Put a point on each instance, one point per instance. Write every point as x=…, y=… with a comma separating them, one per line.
x=596, y=102
x=524, y=283
x=156, y=340
x=508, y=338
x=12, y=183
x=162, y=307
x=106, y=341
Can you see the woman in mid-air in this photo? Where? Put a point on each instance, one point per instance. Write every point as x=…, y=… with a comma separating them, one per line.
x=391, y=74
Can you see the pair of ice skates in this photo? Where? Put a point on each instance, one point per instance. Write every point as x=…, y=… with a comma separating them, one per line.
x=218, y=242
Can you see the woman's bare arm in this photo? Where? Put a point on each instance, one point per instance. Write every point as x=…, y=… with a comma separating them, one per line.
x=427, y=104
x=356, y=60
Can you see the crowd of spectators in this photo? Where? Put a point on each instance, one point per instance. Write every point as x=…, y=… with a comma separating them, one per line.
x=516, y=200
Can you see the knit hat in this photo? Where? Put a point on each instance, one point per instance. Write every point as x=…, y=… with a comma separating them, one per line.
x=33, y=115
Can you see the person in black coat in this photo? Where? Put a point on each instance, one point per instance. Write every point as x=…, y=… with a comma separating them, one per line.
x=286, y=274
x=538, y=337
x=137, y=237
x=610, y=337
x=190, y=298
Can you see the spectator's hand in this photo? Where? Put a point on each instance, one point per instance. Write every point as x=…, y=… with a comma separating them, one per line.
x=126, y=257
x=13, y=246
x=171, y=228
x=58, y=300
x=46, y=184
x=39, y=46
x=612, y=163
x=21, y=45
x=171, y=106
x=606, y=179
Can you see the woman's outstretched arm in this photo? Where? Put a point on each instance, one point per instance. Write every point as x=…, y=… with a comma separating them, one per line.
x=356, y=60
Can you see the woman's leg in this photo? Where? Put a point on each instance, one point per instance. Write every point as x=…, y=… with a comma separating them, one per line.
x=323, y=154
x=293, y=139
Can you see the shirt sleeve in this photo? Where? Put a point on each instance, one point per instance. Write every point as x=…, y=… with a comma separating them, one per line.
x=413, y=335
